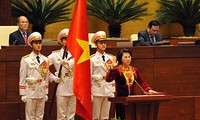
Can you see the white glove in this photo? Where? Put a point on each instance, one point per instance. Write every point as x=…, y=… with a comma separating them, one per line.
x=23, y=98
x=62, y=77
x=46, y=97
x=97, y=77
x=56, y=74
x=57, y=80
x=31, y=80
x=64, y=62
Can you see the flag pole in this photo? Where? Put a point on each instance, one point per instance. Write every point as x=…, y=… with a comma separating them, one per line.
x=78, y=45
x=55, y=89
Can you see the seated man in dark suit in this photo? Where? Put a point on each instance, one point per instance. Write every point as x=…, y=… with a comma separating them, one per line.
x=20, y=36
x=150, y=35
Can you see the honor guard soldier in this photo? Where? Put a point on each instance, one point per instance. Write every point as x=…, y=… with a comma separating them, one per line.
x=34, y=79
x=100, y=63
x=66, y=101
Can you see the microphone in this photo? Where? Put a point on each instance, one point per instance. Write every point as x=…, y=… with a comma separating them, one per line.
x=156, y=93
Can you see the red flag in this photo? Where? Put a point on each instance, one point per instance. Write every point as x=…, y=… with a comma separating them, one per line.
x=78, y=45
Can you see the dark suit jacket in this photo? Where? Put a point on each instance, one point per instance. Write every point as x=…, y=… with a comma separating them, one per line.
x=16, y=38
x=143, y=38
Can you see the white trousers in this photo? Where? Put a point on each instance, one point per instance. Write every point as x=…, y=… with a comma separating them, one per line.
x=66, y=107
x=101, y=108
x=34, y=109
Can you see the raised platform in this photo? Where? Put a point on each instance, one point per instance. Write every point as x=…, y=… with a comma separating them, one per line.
x=170, y=69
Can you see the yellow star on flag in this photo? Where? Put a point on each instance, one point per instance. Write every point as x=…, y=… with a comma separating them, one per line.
x=86, y=52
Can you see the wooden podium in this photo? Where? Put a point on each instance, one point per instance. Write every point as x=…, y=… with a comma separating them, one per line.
x=141, y=107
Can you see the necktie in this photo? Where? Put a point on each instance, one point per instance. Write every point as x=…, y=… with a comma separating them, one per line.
x=103, y=57
x=25, y=38
x=152, y=39
x=38, y=59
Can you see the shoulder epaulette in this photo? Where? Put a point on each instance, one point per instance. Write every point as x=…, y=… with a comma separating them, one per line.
x=71, y=58
x=26, y=56
x=56, y=51
x=92, y=55
x=109, y=54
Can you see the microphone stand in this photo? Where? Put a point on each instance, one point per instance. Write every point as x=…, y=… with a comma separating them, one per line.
x=128, y=90
x=157, y=93
x=140, y=86
x=14, y=42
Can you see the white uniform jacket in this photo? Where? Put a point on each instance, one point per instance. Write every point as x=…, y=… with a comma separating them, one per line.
x=99, y=86
x=65, y=86
x=34, y=76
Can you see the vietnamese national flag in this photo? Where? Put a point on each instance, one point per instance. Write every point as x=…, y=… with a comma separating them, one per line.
x=78, y=45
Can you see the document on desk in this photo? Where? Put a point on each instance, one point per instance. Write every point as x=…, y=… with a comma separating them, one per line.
x=144, y=95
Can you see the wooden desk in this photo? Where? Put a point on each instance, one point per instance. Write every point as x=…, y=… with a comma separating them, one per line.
x=176, y=40
x=141, y=107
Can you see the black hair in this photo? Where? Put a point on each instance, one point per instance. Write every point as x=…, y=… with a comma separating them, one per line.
x=64, y=38
x=120, y=54
x=34, y=41
x=99, y=40
x=153, y=23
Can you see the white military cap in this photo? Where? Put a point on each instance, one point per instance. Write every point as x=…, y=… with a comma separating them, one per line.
x=63, y=33
x=100, y=35
x=35, y=36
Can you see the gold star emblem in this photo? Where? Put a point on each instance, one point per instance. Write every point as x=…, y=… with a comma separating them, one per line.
x=86, y=52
